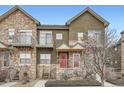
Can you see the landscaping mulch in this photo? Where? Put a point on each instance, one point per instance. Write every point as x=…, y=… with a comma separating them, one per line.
x=119, y=82
x=71, y=83
x=29, y=84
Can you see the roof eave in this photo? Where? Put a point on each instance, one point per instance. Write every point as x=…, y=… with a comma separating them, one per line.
x=106, y=23
x=14, y=9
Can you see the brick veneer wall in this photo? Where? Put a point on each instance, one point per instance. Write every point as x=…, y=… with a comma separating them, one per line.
x=19, y=21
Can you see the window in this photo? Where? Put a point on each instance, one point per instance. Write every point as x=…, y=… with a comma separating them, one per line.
x=25, y=58
x=80, y=36
x=25, y=37
x=6, y=59
x=96, y=35
x=45, y=38
x=59, y=36
x=45, y=58
x=11, y=36
x=76, y=59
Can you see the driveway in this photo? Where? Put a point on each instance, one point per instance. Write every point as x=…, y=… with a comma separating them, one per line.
x=40, y=83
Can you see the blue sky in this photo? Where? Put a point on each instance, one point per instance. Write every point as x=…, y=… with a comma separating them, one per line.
x=60, y=14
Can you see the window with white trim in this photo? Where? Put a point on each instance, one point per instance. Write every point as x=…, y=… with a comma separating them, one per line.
x=59, y=36
x=25, y=37
x=11, y=36
x=25, y=58
x=46, y=38
x=45, y=58
x=80, y=36
x=96, y=35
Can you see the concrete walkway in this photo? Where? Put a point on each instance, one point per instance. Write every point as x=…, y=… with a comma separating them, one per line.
x=9, y=84
x=40, y=83
x=107, y=84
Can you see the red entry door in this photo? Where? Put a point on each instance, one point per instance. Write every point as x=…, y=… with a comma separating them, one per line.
x=63, y=60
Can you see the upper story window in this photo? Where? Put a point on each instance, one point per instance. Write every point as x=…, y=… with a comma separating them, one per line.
x=96, y=36
x=46, y=38
x=25, y=36
x=80, y=36
x=11, y=36
x=25, y=58
x=59, y=36
x=45, y=58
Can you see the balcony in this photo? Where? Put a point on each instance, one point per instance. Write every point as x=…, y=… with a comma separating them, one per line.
x=45, y=44
x=23, y=41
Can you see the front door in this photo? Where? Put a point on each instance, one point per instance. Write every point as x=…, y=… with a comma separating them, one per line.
x=63, y=60
x=76, y=59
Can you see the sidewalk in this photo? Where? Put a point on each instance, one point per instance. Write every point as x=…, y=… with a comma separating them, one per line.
x=40, y=83
x=9, y=84
x=107, y=84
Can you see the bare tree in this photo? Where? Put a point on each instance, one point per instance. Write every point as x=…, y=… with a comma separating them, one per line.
x=97, y=54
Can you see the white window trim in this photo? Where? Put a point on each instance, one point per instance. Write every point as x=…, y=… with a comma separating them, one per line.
x=23, y=55
x=59, y=37
x=11, y=29
x=80, y=33
x=73, y=59
x=44, y=33
x=45, y=55
x=10, y=33
x=28, y=31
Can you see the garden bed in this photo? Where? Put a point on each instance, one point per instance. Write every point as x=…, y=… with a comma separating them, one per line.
x=29, y=84
x=71, y=83
x=118, y=82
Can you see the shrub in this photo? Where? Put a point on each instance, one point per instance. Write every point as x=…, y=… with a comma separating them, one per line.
x=119, y=82
x=65, y=83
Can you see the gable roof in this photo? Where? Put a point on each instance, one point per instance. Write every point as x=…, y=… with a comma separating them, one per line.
x=18, y=8
x=2, y=45
x=63, y=46
x=106, y=23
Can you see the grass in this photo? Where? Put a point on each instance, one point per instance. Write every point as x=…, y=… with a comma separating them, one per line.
x=70, y=83
x=118, y=82
x=29, y=84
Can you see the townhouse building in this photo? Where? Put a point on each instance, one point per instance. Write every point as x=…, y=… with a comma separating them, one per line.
x=47, y=50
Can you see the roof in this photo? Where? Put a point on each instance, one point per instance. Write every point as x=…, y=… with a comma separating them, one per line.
x=77, y=46
x=18, y=8
x=106, y=23
x=122, y=32
x=52, y=27
x=2, y=45
x=63, y=46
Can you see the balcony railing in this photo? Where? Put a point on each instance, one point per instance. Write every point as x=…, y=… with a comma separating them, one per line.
x=25, y=40
x=45, y=44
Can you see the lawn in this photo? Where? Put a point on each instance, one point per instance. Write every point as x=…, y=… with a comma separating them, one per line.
x=118, y=82
x=71, y=83
x=29, y=84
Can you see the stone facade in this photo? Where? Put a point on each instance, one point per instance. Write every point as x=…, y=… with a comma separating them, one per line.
x=18, y=20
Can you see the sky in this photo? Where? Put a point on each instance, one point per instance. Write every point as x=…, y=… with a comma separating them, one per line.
x=59, y=15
